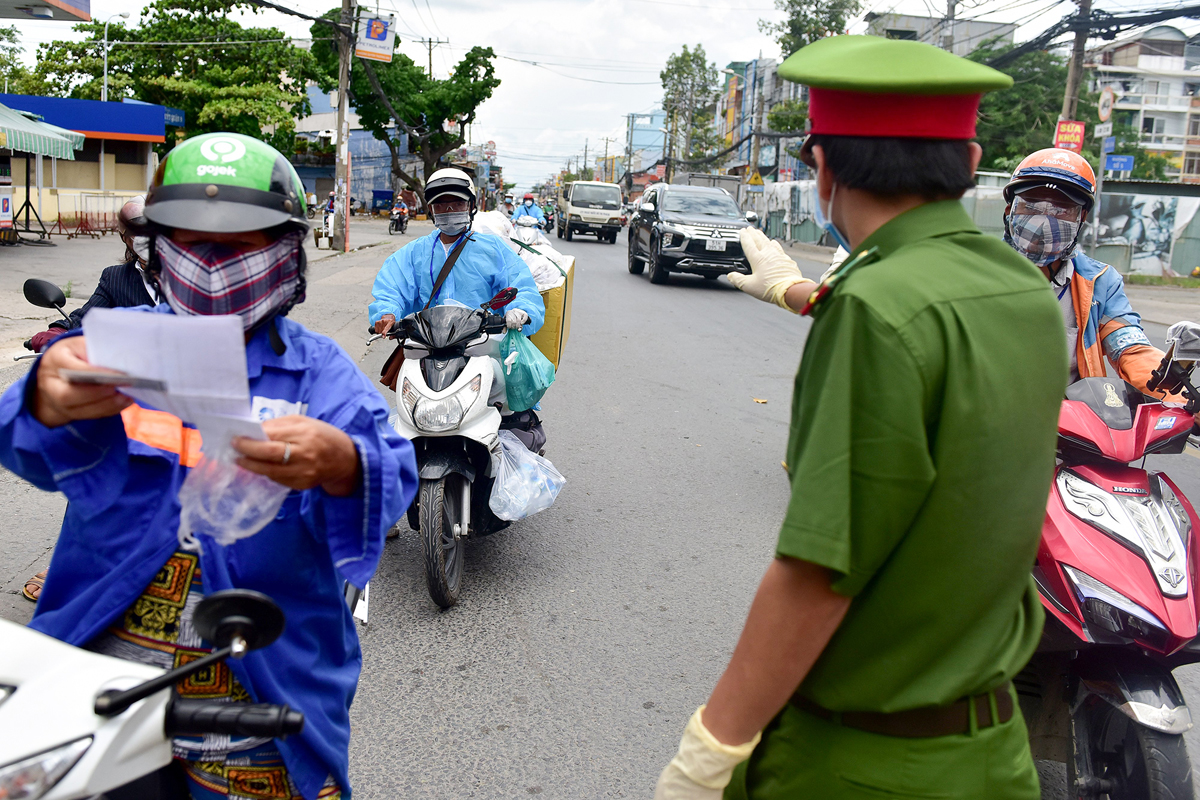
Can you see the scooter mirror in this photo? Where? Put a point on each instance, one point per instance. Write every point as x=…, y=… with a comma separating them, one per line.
x=502, y=298
x=44, y=294
x=238, y=613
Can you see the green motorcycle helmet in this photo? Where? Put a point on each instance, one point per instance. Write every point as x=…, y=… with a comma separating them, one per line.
x=226, y=183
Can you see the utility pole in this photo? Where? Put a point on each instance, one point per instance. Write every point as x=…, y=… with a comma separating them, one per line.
x=629, y=118
x=341, y=169
x=1075, y=68
x=948, y=36
x=585, y=161
x=429, y=43
x=607, y=139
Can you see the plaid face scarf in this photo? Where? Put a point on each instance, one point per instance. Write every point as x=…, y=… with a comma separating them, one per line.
x=210, y=279
x=1041, y=238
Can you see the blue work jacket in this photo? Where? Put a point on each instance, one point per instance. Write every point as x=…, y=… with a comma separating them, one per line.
x=532, y=211
x=485, y=267
x=122, y=520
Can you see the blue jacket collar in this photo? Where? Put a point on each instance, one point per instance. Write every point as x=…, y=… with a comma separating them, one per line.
x=260, y=353
x=1087, y=267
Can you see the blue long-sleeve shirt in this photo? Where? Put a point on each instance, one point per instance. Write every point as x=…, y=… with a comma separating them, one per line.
x=123, y=514
x=485, y=267
x=528, y=211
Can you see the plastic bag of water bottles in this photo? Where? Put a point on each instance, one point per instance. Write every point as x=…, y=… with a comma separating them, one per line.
x=226, y=502
x=525, y=483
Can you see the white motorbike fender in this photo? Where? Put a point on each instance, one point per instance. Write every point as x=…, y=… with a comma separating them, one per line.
x=57, y=685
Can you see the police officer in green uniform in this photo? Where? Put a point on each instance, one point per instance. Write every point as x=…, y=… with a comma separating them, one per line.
x=877, y=657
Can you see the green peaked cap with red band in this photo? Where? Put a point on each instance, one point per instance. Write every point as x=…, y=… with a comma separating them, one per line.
x=226, y=183
x=876, y=87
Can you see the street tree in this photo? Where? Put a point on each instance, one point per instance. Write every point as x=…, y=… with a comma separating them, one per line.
x=1022, y=119
x=399, y=99
x=189, y=54
x=689, y=83
x=809, y=20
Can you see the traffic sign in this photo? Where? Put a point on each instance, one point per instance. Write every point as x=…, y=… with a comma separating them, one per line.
x=755, y=179
x=1102, y=130
x=1110, y=144
x=1105, y=106
x=1118, y=163
x=1069, y=135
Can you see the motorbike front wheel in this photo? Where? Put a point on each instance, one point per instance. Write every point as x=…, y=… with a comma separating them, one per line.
x=443, y=536
x=1129, y=761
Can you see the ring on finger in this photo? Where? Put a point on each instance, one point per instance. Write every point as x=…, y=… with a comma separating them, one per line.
x=287, y=452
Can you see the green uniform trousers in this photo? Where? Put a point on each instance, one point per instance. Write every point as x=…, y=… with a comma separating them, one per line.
x=803, y=757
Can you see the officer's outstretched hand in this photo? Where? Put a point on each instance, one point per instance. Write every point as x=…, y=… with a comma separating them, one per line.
x=773, y=271
x=703, y=766
x=302, y=453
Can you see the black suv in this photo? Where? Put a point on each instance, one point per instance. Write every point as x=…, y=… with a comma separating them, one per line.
x=687, y=229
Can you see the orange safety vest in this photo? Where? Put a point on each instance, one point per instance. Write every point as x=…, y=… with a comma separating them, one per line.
x=163, y=431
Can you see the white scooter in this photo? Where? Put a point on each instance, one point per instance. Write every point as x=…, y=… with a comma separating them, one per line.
x=75, y=724
x=449, y=397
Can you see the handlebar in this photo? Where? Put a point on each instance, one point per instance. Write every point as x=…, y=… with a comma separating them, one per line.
x=196, y=717
x=492, y=323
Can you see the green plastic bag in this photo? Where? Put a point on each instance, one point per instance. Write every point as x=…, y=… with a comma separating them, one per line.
x=528, y=374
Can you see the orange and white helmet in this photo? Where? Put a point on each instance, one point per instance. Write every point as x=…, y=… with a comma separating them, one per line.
x=1064, y=170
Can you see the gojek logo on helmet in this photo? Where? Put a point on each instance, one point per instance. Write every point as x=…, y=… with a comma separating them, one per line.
x=223, y=149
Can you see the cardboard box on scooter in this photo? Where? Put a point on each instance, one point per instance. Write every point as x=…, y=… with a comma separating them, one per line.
x=552, y=336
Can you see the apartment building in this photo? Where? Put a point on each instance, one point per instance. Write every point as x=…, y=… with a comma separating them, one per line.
x=1155, y=76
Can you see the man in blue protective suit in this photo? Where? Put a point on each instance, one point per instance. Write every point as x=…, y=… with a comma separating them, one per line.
x=528, y=208
x=225, y=239
x=484, y=267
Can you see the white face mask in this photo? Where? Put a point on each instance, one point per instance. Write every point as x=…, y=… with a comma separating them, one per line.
x=452, y=223
x=528, y=203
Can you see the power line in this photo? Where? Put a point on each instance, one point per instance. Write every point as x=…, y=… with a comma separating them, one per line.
x=577, y=77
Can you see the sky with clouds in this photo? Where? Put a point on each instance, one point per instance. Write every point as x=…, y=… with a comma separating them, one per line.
x=572, y=69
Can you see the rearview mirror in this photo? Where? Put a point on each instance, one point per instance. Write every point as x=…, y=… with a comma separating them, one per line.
x=502, y=298
x=238, y=614
x=648, y=208
x=1183, y=341
x=44, y=294
x=751, y=217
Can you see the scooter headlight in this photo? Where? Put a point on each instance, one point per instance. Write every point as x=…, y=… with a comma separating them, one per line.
x=33, y=777
x=1106, y=608
x=1154, y=526
x=439, y=414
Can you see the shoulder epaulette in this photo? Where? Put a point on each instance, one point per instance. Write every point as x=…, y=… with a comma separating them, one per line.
x=830, y=283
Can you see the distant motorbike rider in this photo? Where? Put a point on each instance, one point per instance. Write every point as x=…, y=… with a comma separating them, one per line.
x=121, y=583
x=528, y=208
x=486, y=265
x=508, y=208
x=1048, y=200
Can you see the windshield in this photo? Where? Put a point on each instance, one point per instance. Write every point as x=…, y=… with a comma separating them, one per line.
x=596, y=196
x=701, y=204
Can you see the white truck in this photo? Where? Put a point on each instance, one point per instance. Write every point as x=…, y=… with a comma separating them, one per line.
x=590, y=207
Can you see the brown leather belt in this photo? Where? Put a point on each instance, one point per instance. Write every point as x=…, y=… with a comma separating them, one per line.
x=921, y=723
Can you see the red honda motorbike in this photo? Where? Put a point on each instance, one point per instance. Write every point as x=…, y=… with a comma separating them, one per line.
x=1116, y=571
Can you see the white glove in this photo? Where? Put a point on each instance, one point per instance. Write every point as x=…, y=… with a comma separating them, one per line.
x=515, y=319
x=773, y=272
x=703, y=766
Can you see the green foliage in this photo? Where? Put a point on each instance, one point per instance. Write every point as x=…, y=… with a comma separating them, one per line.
x=435, y=113
x=809, y=20
x=689, y=82
x=1022, y=119
x=14, y=74
x=790, y=116
x=256, y=89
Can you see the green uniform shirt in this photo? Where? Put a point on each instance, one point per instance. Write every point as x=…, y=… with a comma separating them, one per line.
x=921, y=455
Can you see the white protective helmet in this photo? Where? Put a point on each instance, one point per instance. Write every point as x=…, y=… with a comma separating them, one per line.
x=450, y=181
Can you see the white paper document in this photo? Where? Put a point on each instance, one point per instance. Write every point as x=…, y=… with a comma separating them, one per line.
x=201, y=360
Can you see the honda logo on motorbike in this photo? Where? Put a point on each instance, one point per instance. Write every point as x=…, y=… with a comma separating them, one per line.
x=1128, y=490
x=1172, y=576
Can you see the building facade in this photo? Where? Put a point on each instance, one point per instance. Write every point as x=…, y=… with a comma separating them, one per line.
x=960, y=37
x=1155, y=85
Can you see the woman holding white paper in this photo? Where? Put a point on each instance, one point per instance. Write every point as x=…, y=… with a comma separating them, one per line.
x=228, y=217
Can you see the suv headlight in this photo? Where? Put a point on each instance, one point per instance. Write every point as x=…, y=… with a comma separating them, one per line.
x=1107, y=608
x=33, y=777
x=673, y=237
x=1154, y=526
x=436, y=414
